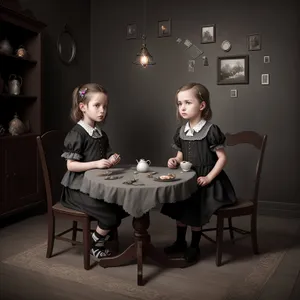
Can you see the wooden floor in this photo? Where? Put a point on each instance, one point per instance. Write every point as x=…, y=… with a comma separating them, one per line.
x=20, y=283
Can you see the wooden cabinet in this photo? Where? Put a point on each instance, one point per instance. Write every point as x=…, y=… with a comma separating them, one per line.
x=20, y=176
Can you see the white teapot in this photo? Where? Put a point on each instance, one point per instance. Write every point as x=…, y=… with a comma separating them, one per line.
x=143, y=165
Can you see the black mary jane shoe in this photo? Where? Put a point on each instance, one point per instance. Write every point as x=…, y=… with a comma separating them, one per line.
x=175, y=248
x=192, y=255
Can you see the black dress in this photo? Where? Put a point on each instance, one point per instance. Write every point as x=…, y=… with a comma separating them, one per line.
x=80, y=146
x=199, y=149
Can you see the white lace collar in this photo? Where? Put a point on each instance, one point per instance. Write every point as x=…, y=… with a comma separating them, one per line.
x=90, y=130
x=190, y=131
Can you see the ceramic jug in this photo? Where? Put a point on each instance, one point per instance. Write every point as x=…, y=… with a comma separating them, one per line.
x=21, y=52
x=5, y=47
x=14, y=84
x=16, y=126
x=143, y=165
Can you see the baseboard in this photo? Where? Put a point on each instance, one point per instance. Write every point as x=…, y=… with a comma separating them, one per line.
x=279, y=209
x=27, y=211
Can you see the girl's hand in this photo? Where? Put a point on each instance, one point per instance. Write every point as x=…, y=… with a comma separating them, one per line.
x=114, y=159
x=172, y=163
x=203, y=180
x=103, y=164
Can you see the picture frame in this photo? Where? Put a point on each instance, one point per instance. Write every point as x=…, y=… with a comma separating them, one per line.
x=233, y=93
x=164, y=28
x=233, y=69
x=208, y=34
x=254, y=42
x=191, y=65
x=265, y=79
x=267, y=59
x=131, y=31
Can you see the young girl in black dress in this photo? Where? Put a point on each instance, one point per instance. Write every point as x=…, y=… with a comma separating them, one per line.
x=201, y=143
x=87, y=147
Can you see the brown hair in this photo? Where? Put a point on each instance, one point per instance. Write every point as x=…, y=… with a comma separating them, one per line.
x=83, y=94
x=201, y=93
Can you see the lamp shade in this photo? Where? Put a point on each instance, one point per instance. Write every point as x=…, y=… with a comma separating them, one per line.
x=144, y=58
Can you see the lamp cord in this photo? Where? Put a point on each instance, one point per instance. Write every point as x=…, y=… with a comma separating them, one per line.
x=145, y=19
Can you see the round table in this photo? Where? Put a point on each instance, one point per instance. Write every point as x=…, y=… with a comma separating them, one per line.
x=137, y=199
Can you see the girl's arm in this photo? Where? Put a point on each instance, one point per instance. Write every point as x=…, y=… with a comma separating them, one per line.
x=179, y=157
x=77, y=166
x=220, y=164
x=173, y=162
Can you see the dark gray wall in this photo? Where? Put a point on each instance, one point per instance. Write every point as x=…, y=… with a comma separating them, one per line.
x=142, y=120
x=59, y=80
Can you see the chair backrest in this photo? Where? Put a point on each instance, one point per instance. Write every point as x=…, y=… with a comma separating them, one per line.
x=50, y=149
x=256, y=140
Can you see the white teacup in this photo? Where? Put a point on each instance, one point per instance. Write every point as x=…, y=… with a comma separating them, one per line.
x=185, y=166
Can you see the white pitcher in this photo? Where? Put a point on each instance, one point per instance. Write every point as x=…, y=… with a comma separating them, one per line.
x=14, y=84
x=143, y=165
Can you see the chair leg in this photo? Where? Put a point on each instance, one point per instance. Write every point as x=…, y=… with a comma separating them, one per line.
x=231, y=230
x=86, y=243
x=51, y=235
x=74, y=232
x=254, y=234
x=219, y=240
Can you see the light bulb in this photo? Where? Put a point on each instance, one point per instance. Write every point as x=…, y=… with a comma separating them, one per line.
x=144, y=60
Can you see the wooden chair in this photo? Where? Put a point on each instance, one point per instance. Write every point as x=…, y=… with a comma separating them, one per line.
x=50, y=148
x=242, y=207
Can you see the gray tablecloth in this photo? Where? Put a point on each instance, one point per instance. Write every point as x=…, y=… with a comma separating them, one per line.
x=137, y=200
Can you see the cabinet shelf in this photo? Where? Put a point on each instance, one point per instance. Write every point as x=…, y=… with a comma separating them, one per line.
x=17, y=59
x=21, y=183
x=17, y=97
x=9, y=136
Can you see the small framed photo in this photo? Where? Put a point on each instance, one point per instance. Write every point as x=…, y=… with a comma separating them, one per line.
x=254, y=42
x=208, y=34
x=233, y=93
x=267, y=59
x=164, y=28
x=191, y=67
x=265, y=79
x=233, y=69
x=131, y=31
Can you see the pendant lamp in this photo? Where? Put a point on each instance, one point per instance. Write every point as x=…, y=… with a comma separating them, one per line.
x=143, y=57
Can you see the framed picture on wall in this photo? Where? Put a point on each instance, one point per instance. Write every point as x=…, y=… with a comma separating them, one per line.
x=265, y=79
x=254, y=42
x=131, y=31
x=233, y=69
x=208, y=34
x=164, y=28
x=233, y=93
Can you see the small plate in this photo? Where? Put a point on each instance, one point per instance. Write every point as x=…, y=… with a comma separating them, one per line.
x=165, y=180
x=226, y=46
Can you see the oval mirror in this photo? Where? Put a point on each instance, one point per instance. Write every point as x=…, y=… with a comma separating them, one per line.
x=66, y=46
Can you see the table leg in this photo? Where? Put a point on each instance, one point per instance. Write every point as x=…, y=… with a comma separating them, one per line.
x=140, y=249
x=126, y=257
x=139, y=252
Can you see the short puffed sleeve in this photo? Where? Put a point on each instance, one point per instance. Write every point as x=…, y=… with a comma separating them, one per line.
x=73, y=145
x=216, y=139
x=177, y=141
